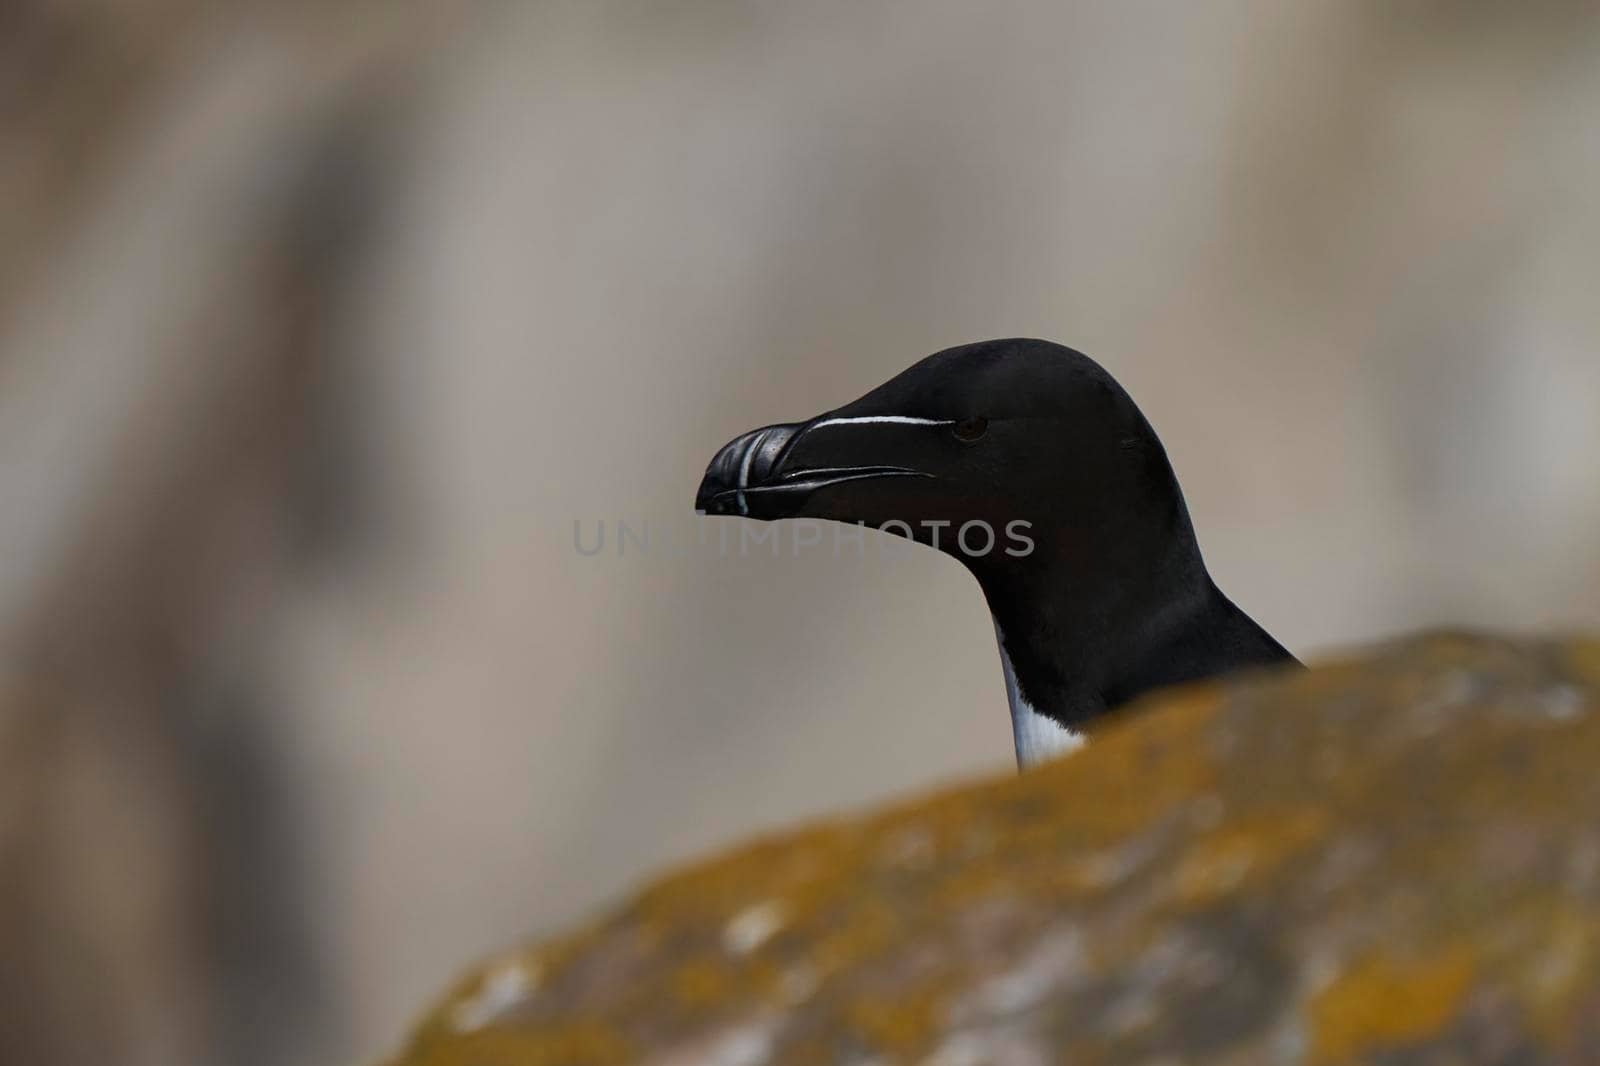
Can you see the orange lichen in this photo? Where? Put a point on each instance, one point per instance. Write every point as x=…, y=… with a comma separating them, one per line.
x=1386, y=1002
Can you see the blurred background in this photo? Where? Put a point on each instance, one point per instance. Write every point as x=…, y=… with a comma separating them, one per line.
x=321, y=324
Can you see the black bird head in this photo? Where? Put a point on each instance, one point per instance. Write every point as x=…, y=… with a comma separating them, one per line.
x=1030, y=464
x=1013, y=433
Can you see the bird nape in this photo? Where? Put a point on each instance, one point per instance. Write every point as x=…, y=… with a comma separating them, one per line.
x=1026, y=461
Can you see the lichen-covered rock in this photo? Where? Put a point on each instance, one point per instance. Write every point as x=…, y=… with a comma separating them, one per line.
x=1394, y=859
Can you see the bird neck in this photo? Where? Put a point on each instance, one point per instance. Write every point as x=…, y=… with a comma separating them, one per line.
x=1078, y=642
x=1037, y=736
x=1071, y=651
x=1090, y=621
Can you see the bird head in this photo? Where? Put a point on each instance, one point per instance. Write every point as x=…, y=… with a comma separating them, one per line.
x=989, y=452
x=1027, y=462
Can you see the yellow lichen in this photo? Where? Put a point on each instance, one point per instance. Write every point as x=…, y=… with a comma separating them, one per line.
x=1183, y=810
x=1583, y=659
x=573, y=1043
x=1384, y=1002
x=701, y=983
x=903, y=1024
x=1249, y=848
x=1558, y=964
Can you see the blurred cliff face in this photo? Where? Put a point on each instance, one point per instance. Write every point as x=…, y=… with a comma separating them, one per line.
x=322, y=325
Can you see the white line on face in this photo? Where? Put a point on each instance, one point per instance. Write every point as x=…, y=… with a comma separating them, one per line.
x=902, y=420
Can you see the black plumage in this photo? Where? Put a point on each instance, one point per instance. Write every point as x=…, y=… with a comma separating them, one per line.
x=1112, y=597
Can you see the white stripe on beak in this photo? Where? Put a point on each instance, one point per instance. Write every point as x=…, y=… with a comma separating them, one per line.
x=744, y=470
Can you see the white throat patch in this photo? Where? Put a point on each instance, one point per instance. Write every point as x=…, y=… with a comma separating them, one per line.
x=1038, y=737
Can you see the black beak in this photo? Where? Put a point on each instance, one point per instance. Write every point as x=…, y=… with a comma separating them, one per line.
x=752, y=474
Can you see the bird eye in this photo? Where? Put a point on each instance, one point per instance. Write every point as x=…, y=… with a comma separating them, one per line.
x=970, y=429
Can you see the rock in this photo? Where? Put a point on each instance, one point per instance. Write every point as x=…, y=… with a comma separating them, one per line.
x=1393, y=859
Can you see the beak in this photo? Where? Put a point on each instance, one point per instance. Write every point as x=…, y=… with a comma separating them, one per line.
x=753, y=474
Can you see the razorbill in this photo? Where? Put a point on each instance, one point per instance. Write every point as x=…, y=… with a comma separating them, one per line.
x=1026, y=461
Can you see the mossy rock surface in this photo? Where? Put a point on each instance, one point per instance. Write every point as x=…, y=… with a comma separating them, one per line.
x=1393, y=859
